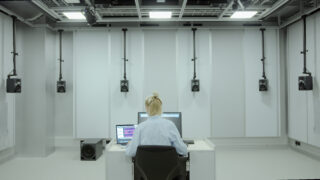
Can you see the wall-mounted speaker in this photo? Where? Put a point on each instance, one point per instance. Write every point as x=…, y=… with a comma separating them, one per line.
x=14, y=85
x=91, y=149
x=124, y=86
x=263, y=85
x=195, y=85
x=305, y=83
x=61, y=86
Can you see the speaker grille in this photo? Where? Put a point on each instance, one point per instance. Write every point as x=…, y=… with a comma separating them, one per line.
x=88, y=152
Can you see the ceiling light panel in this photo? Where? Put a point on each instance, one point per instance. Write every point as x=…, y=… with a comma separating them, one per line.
x=243, y=14
x=74, y=15
x=160, y=14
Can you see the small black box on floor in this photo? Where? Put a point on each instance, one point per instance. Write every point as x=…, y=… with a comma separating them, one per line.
x=305, y=83
x=124, y=86
x=195, y=85
x=13, y=85
x=61, y=86
x=91, y=149
x=263, y=85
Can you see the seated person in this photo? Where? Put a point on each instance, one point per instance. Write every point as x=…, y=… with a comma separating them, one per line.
x=156, y=130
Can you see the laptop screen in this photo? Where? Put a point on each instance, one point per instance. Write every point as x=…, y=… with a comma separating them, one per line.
x=125, y=133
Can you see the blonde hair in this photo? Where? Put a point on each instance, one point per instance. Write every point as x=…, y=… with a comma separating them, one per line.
x=153, y=105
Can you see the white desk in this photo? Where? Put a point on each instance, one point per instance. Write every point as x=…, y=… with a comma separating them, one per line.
x=201, y=165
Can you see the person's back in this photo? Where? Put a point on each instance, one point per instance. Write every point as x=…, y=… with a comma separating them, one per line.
x=156, y=130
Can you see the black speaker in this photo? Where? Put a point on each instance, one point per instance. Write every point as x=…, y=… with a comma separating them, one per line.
x=14, y=85
x=61, y=86
x=305, y=83
x=263, y=85
x=90, y=16
x=124, y=86
x=195, y=85
x=91, y=149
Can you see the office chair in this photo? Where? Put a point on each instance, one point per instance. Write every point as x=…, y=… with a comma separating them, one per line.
x=159, y=163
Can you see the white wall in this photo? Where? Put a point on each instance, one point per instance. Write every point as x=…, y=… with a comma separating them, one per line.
x=303, y=106
x=91, y=84
x=35, y=105
x=228, y=92
x=228, y=104
x=7, y=101
x=64, y=101
x=194, y=106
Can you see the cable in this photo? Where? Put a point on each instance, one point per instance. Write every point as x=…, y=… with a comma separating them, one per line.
x=60, y=58
x=194, y=53
x=263, y=54
x=304, y=51
x=124, y=53
x=14, y=52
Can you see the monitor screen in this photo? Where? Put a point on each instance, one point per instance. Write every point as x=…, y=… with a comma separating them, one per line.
x=125, y=133
x=174, y=117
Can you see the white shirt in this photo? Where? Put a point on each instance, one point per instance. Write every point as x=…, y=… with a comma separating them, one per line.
x=156, y=131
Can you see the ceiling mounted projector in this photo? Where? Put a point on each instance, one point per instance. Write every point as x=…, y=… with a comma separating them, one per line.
x=89, y=13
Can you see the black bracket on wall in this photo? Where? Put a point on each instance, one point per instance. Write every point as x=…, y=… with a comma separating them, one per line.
x=14, y=84
x=263, y=83
x=61, y=85
x=124, y=84
x=195, y=83
x=305, y=82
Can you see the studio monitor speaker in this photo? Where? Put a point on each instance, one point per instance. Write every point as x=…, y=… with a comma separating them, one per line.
x=13, y=85
x=305, y=83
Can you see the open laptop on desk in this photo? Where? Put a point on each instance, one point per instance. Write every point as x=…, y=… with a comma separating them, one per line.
x=124, y=133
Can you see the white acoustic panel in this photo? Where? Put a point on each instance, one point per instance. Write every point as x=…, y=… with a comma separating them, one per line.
x=125, y=106
x=195, y=106
x=297, y=100
x=160, y=67
x=228, y=101
x=261, y=107
x=313, y=65
x=91, y=84
x=4, y=132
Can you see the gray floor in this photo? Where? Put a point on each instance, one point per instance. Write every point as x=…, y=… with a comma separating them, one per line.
x=244, y=164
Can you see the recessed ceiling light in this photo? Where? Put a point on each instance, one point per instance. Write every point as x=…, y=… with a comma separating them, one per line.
x=243, y=14
x=160, y=14
x=72, y=1
x=74, y=15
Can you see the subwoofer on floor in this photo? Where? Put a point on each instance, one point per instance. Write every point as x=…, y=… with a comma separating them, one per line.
x=91, y=149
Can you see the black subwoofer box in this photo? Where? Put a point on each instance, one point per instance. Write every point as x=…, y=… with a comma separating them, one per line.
x=91, y=149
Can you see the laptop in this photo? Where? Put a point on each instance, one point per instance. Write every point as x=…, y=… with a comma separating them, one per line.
x=124, y=133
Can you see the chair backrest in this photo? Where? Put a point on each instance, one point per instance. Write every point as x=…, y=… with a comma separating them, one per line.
x=156, y=163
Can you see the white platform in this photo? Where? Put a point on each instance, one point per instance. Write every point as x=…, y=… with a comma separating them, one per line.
x=245, y=164
x=202, y=161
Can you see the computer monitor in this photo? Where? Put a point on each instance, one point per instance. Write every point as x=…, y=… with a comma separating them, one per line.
x=125, y=133
x=174, y=117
